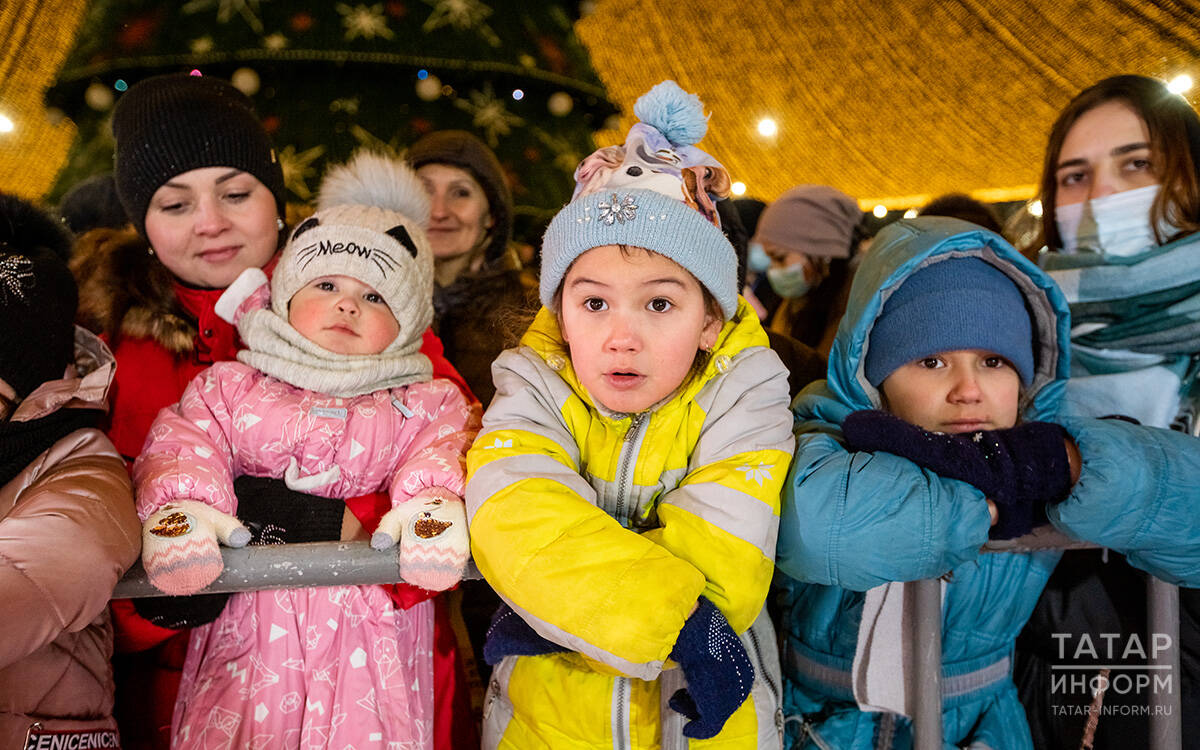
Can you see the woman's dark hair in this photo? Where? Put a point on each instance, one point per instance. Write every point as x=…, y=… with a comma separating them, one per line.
x=1174, y=131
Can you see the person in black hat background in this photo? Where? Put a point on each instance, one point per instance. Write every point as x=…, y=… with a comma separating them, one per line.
x=203, y=188
x=67, y=527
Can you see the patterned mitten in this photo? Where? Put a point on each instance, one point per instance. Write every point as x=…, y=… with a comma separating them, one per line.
x=718, y=672
x=1021, y=469
x=509, y=635
x=179, y=546
x=432, y=529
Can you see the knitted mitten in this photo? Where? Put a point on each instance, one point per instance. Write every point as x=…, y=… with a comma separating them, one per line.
x=509, y=635
x=1020, y=469
x=179, y=546
x=432, y=529
x=277, y=514
x=718, y=672
x=180, y=612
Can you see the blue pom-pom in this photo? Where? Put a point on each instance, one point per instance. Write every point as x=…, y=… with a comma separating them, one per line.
x=674, y=112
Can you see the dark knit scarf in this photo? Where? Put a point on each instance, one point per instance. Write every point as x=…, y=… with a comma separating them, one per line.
x=21, y=442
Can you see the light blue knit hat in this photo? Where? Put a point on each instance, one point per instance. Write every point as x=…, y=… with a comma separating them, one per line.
x=656, y=192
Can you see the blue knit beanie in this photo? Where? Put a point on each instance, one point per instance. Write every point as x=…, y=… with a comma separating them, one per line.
x=960, y=303
x=655, y=192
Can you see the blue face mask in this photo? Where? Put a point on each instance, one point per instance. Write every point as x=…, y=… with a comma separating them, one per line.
x=789, y=282
x=757, y=259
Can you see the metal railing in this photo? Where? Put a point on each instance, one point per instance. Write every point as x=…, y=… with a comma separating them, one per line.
x=289, y=566
x=256, y=568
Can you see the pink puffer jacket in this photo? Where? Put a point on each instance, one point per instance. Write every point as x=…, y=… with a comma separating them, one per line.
x=336, y=666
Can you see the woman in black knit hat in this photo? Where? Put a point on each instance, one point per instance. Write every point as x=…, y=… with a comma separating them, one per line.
x=478, y=277
x=202, y=186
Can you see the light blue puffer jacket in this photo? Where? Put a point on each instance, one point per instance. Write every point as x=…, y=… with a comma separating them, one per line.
x=852, y=521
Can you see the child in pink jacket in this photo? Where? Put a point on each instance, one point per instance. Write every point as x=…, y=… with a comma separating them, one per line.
x=333, y=398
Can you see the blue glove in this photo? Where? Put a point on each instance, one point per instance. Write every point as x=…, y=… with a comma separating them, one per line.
x=1020, y=469
x=718, y=671
x=509, y=635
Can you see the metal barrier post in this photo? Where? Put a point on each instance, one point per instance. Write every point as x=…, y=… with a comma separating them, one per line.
x=927, y=702
x=1166, y=719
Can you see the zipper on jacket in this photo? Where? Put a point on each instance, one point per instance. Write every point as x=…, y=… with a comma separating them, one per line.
x=633, y=439
x=777, y=708
x=620, y=713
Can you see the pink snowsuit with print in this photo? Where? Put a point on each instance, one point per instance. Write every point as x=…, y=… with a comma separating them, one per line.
x=316, y=667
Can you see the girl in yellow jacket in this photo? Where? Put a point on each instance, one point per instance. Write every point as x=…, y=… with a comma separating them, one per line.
x=623, y=494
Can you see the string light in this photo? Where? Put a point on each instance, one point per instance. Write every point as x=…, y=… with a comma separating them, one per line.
x=909, y=214
x=880, y=211
x=738, y=188
x=1035, y=208
x=518, y=95
x=1180, y=84
x=6, y=125
x=767, y=127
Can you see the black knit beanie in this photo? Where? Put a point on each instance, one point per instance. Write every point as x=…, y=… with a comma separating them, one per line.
x=167, y=125
x=459, y=148
x=37, y=297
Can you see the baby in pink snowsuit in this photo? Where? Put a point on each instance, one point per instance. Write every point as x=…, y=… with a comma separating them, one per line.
x=333, y=397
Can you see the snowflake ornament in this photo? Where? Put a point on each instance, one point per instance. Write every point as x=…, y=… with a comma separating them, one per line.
x=16, y=277
x=463, y=15
x=618, y=209
x=297, y=168
x=365, y=21
x=489, y=114
x=247, y=9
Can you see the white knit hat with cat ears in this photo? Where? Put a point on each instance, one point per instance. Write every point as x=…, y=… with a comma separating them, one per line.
x=369, y=225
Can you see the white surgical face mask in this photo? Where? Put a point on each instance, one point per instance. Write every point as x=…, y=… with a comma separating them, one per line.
x=789, y=282
x=757, y=259
x=1116, y=225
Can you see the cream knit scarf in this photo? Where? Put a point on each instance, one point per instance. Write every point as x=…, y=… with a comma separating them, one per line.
x=280, y=351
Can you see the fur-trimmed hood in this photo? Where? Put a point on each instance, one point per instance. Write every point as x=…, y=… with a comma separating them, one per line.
x=126, y=291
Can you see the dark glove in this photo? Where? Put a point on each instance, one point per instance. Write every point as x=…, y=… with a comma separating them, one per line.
x=718, y=671
x=180, y=612
x=276, y=514
x=509, y=635
x=1020, y=469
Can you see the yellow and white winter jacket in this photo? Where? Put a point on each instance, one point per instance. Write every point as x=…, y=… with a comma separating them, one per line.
x=602, y=530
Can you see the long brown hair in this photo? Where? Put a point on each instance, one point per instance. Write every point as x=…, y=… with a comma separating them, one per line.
x=1174, y=146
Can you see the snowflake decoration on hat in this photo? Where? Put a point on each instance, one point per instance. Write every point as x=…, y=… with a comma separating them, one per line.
x=618, y=209
x=16, y=276
x=247, y=9
x=461, y=15
x=367, y=22
x=489, y=115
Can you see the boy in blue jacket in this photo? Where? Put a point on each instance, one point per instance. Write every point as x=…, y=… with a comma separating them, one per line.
x=935, y=432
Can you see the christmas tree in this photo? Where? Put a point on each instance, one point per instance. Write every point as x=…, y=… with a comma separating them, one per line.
x=329, y=77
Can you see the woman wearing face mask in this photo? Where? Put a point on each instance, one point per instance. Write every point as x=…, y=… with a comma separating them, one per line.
x=1121, y=195
x=204, y=191
x=811, y=235
x=477, y=274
